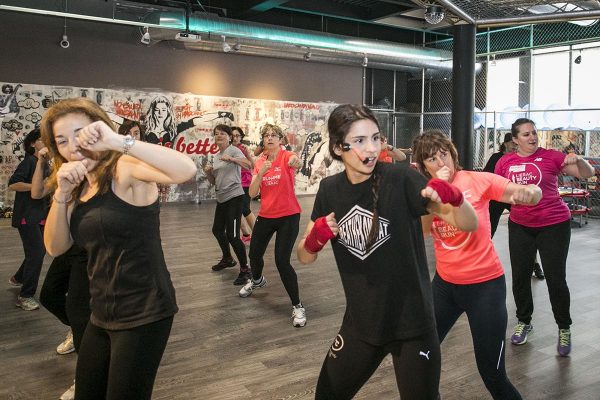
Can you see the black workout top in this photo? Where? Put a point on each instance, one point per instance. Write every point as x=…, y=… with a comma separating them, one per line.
x=129, y=281
x=388, y=289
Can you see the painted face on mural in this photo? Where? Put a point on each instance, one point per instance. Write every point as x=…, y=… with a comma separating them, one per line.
x=161, y=111
x=527, y=139
x=66, y=130
x=365, y=146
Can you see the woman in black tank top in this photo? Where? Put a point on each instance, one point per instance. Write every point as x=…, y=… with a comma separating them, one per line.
x=106, y=194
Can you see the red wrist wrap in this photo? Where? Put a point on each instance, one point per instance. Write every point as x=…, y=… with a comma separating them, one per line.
x=447, y=192
x=318, y=236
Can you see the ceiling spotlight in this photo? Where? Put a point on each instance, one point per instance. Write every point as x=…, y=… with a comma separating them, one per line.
x=365, y=61
x=434, y=14
x=226, y=46
x=578, y=59
x=307, y=55
x=493, y=62
x=146, y=36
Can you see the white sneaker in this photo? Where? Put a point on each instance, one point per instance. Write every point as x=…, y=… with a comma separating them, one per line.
x=251, y=286
x=27, y=303
x=69, y=394
x=67, y=345
x=298, y=316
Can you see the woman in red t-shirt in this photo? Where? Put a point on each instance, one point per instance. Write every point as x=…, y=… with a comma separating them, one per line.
x=273, y=178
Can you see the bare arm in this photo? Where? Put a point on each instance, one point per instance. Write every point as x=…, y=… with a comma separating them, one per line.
x=462, y=217
x=57, y=235
x=329, y=229
x=527, y=195
x=254, y=188
x=20, y=187
x=396, y=154
x=208, y=171
x=147, y=162
x=576, y=166
x=38, y=188
x=304, y=256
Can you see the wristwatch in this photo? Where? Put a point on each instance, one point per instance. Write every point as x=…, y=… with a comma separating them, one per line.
x=128, y=142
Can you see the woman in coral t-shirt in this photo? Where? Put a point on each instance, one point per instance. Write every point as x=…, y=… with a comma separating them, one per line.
x=273, y=178
x=469, y=277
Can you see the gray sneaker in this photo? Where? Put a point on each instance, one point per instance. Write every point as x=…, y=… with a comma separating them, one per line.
x=251, y=286
x=67, y=345
x=298, y=316
x=521, y=332
x=27, y=303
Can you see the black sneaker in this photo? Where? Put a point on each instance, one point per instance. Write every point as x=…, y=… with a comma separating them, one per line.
x=224, y=264
x=537, y=271
x=242, y=278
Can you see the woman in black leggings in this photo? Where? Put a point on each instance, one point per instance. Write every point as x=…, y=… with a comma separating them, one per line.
x=371, y=212
x=274, y=174
x=224, y=173
x=106, y=202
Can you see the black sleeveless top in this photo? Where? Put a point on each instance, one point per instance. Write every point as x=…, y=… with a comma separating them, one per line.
x=129, y=281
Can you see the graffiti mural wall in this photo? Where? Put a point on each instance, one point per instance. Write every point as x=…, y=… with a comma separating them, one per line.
x=181, y=121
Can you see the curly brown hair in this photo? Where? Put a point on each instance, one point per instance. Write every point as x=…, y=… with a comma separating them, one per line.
x=428, y=143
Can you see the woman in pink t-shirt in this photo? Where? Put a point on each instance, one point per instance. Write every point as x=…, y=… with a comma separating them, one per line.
x=273, y=178
x=249, y=218
x=469, y=276
x=545, y=228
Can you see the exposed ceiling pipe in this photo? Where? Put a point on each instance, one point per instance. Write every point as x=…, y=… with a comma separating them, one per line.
x=379, y=52
x=450, y=6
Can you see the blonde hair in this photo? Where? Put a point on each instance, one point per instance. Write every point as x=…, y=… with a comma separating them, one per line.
x=107, y=160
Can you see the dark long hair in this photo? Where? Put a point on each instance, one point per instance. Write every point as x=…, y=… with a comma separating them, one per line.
x=428, y=143
x=30, y=139
x=339, y=124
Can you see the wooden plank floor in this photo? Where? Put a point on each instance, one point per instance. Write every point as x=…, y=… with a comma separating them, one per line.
x=226, y=347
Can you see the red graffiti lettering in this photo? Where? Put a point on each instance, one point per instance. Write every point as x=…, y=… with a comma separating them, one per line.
x=306, y=106
x=128, y=109
x=186, y=112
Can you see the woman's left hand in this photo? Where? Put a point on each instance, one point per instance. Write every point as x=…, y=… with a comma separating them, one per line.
x=295, y=162
x=98, y=136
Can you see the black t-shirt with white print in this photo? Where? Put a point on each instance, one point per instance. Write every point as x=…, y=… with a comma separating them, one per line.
x=388, y=290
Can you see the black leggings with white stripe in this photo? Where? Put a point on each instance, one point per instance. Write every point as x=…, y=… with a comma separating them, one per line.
x=350, y=362
x=226, y=229
x=485, y=306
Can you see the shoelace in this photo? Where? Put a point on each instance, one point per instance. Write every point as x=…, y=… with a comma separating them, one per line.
x=564, y=338
x=519, y=329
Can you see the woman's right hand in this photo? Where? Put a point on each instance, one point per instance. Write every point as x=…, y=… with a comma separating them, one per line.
x=265, y=167
x=70, y=175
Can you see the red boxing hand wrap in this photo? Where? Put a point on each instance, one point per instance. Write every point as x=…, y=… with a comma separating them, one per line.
x=448, y=193
x=318, y=236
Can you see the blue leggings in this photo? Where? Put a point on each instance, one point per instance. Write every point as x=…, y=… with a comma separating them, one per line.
x=351, y=361
x=485, y=306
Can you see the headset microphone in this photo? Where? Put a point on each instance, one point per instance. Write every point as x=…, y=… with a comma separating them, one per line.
x=346, y=147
